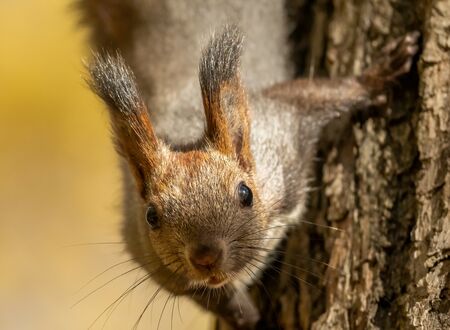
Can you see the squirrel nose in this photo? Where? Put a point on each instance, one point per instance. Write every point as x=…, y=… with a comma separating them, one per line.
x=206, y=256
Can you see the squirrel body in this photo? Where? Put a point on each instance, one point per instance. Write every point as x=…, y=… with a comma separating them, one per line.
x=206, y=204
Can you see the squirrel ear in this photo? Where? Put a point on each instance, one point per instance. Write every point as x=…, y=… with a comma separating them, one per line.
x=224, y=98
x=113, y=81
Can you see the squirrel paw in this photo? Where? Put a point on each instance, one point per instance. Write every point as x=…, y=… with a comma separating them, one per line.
x=399, y=56
x=396, y=59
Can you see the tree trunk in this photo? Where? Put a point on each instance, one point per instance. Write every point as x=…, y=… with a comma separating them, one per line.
x=385, y=184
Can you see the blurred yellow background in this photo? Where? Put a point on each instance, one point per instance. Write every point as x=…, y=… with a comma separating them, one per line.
x=60, y=185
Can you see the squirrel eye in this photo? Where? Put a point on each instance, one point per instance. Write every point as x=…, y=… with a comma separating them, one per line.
x=152, y=217
x=245, y=195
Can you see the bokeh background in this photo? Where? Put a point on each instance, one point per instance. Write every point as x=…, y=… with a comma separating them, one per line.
x=60, y=186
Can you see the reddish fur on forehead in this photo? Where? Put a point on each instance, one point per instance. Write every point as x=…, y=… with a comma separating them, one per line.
x=179, y=165
x=192, y=158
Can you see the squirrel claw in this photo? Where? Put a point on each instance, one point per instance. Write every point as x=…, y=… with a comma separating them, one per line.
x=396, y=60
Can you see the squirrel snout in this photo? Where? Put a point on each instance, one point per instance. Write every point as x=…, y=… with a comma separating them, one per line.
x=207, y=256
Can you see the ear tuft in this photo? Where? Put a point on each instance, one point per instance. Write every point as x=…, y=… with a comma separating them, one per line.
x=220, y=59
x=113, y=81
x=224, y=97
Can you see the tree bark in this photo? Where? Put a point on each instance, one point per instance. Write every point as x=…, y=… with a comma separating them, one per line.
x=385, y=184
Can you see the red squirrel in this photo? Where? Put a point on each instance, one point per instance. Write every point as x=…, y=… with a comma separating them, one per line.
x=217, y=155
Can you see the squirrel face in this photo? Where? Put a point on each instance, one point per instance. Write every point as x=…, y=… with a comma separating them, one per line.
x=200, y=214
x=201, y=210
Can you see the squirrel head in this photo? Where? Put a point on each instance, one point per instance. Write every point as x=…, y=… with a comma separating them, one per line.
x=200, y=206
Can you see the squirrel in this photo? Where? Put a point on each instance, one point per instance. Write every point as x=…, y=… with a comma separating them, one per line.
x=208, y=196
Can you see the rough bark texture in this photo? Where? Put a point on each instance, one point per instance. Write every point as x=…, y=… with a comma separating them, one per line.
x=385, y=183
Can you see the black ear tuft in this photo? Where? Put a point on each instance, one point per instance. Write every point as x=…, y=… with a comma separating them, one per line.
x=224, y=97
x=113, y=81
x=133, y=133
x=220, y=59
